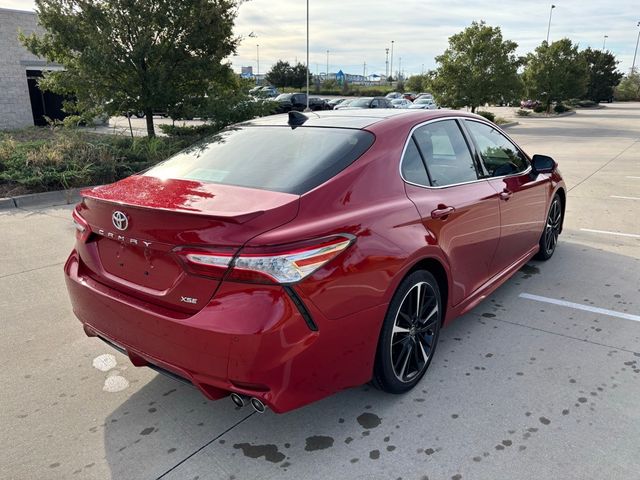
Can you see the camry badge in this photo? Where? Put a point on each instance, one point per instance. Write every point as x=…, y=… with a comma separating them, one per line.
x=120, y=220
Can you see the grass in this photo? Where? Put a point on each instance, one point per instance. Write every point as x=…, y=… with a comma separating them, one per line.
x=43, y=159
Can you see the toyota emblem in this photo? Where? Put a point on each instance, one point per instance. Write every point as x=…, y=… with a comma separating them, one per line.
x=120, y=220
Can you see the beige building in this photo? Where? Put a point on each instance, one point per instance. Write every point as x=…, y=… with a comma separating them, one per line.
x=22, y=103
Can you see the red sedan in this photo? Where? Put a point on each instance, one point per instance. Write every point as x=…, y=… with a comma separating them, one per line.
x=294, y=256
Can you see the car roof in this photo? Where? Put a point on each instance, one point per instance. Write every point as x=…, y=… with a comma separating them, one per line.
x=359, y=118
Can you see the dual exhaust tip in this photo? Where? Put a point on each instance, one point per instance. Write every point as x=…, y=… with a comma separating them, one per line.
x=240, y=401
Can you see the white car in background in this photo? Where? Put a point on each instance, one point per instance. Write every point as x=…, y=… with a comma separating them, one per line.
x=425, y=104
x=401, y=103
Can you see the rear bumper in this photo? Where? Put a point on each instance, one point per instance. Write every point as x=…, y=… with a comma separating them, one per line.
x=250, y=339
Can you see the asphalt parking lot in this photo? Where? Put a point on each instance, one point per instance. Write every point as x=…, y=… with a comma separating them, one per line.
x=541, y=380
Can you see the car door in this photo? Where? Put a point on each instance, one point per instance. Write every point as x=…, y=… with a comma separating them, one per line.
x=523, y=196
x=459, y=209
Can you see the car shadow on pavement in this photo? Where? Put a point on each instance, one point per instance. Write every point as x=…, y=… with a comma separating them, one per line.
x=167, y=426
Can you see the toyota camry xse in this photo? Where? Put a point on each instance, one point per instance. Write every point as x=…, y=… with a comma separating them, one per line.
x=293, y=256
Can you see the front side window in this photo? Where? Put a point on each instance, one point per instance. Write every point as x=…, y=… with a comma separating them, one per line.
x=499, y=155
x=446, y=153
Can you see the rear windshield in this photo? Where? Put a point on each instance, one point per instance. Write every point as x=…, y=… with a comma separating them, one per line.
x=269, y=158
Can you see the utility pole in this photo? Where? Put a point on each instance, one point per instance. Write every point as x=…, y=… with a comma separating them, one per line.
x=307, y=109
x=604, y=42
x=549, y=27
x=327, y=77
x=633, y=66
x=386, y=65
x=258, y=62
x=364, y=73
x=391, y=70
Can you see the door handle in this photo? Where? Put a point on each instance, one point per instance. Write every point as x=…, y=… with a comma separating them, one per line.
x=442, y=212
x=506, y=194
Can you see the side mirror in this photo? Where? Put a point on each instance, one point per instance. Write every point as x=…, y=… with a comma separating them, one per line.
x=543, y=164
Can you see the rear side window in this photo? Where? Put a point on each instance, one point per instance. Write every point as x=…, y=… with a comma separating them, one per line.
x=500, y=156
x=412, y=166
x=269, y=158
x=446, y=153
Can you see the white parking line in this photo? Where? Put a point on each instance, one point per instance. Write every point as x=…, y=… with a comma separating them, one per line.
x=579, y=306
x=631, y=176
x=625, y=198
x=631, y=235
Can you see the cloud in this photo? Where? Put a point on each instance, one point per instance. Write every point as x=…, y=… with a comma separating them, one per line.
x=359, y=31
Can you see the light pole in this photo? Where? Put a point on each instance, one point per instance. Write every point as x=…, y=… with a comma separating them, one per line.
x=604, y=42
x=258, y=62
x=549, y=27
x=386, y=65
x=391, y=69
x=327, y=65
x=307, y=109
x=633, y=66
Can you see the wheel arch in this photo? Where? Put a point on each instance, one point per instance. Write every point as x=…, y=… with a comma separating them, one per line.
x=437, y=269
x=563, y=200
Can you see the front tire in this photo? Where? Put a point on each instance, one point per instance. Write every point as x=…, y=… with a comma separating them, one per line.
x=552, y=227
x=409, y=334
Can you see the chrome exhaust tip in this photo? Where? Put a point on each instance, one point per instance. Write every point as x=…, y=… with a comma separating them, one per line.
x=237, y=400
x=257, y=405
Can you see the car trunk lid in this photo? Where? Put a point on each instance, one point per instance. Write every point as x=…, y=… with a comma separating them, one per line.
x=137, y=225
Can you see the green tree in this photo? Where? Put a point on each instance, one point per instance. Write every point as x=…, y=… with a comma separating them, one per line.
x=135, y=55
x=280, y=74
x=555, y=72
x=420, y=83
x=629, y=88
x=603, y=74
x=299, y=76
x=478, y=67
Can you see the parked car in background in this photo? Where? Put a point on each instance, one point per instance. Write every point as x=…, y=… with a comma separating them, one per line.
x=269, y=91
x=424, y=95
x=393, y=95
x=344, y=104
x=291, y=101
x=424, y=104
x=370, y=102
x=401, y=103
x=316, y=103
x=279, y=265
x=531, y=104
x=335, y=102
x=410, y=96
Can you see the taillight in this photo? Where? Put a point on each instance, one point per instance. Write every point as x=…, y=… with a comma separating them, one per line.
x=283, y=264
x=82, y=227
x=212, y=264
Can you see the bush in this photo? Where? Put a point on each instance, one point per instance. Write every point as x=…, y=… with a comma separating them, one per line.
x=540, y=109
x=523, y=113
x=488, y=115
x=560, y=108
x=196, y=131
x=54, y=160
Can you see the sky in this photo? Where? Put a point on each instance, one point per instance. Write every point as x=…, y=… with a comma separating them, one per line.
x=358, y=31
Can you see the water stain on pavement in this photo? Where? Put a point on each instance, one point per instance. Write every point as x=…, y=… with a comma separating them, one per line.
x=318, y=442
x=369, y=420
x=269, y=452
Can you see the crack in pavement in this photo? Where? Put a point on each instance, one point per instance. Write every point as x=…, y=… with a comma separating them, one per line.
x=31, y=270
x=604, y=165
x=637, y=354
x=206, y=445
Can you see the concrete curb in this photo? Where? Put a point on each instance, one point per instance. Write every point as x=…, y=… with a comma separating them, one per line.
x=550, y=117
x=44, y=199
x=509, y=124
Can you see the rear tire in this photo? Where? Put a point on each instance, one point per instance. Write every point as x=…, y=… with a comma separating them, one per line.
x=551, y=232
x=409, y=334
